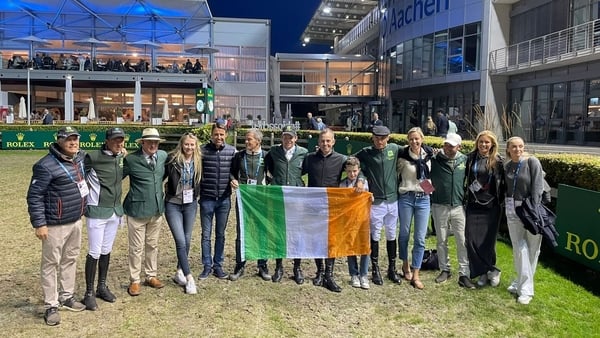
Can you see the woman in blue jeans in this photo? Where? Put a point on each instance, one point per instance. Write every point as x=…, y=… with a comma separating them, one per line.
x=414, y=189
x=183, y=170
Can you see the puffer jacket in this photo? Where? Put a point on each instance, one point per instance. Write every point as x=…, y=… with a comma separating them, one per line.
x=216, y=166
x=53, y=197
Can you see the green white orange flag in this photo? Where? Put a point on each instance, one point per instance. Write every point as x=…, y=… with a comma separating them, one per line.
x=300, y=222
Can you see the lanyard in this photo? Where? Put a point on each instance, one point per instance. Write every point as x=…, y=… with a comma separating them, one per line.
x=187, y=174
x=66, y=170
x=515, y=178
x=257, y=166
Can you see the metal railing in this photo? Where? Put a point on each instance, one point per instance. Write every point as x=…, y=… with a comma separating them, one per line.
x=573, y=42
x=369, y=22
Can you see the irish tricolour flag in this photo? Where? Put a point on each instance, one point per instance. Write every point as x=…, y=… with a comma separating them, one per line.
x=300, y=222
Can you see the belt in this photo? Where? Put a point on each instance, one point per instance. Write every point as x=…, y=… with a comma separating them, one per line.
x=417, y=194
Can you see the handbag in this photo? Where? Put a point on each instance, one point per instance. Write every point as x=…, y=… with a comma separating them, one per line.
x=430, y=260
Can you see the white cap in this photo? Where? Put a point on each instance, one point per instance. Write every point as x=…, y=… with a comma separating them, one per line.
x=453, y=139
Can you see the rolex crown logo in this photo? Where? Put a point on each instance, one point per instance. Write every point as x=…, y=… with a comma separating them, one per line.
x=93, y=137
x=20, y=137
x=127, y=137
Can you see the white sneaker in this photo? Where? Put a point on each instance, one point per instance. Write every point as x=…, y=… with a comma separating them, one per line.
x=364, y=282
x=512, y=288
x=494, y=277
x=355, y=281
x=524, y=300
x=190, y=286
x=179, y=278
x=483, y=280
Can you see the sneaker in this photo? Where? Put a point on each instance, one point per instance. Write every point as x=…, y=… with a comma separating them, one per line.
x=512, y=288
x=52, y=317
x=494, y=277
x=466, y=282
x=72, y=305
x=443, y=277
x=524, y=299
x=355, y=281
x=364, y=282
x=190, y=286
x=205, y=273
x=263, y=272
x=237, y=274
x=219, y=273
x=483, y=280
x=179, y=278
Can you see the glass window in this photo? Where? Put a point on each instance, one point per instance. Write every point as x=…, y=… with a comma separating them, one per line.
x=455, y=57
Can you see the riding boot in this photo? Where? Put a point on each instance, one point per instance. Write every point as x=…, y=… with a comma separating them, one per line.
x=328, y=281
x=318, y=281
x=238, y=272
x=102, y=291
x=375, y=274
x=298, y=275
x=391, y=251
x=89, y=300
x=278, y=274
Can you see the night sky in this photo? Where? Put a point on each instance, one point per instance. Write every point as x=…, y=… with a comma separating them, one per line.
x=288, y=20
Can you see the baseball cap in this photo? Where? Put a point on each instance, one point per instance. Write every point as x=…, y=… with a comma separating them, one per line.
x=67, y=131
x=453, y=139
x=114, y=133
x=381, y=131
x=289, y=130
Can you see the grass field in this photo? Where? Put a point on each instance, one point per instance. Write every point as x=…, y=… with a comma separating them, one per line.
x=566, y=303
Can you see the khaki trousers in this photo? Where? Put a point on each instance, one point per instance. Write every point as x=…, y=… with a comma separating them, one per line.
x=143, y=235
x=59, y=262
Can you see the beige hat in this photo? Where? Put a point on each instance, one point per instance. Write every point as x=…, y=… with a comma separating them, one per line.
x=150, y=134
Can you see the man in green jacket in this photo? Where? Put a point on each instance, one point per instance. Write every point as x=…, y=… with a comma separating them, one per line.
x=104, y=174
x=378, y=164
x=284, y=165
x=447, y=176
x=144, y=206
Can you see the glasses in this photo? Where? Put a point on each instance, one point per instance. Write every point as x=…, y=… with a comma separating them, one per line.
x=190, y=135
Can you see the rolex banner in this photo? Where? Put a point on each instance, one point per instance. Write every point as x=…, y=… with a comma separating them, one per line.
x=13, y=140
x=299, y=222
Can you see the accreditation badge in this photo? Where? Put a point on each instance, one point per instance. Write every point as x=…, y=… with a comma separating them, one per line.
x=83, y=188
x=188, y=196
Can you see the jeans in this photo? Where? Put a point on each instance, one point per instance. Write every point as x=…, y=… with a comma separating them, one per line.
x=181, y=219
x=412, y=205
x=218, y=209
x=353, y=267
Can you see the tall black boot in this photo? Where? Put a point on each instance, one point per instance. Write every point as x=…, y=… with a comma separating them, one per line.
x=391, y=251
x=278, y=274
x=375, y=274
x=298, y=275
x=328, y=281
x=318, y=281
x=102, y=291
x=90, y=274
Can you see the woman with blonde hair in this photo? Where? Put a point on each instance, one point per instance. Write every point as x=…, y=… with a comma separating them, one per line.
x=524, y=179
x=484, y=182
x=414, y=165
x=183, y=170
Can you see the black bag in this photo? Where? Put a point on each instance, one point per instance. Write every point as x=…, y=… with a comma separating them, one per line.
x=538, y=219
x=430, y=260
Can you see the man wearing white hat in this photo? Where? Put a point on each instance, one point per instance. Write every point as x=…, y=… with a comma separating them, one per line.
x=144, y=207
x=447, y=176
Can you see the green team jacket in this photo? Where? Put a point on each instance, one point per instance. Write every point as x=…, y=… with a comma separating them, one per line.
x=447, y=177
x=379, y=167
x=145, y=197
x=104, y=174
x=285, y=172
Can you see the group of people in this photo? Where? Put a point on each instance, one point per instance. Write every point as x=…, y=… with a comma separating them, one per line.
x=442, y=126
x=69, y=183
